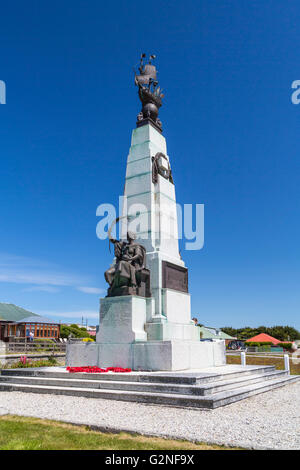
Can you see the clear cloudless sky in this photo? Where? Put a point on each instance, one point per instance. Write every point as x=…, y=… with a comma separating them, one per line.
x=232, y=134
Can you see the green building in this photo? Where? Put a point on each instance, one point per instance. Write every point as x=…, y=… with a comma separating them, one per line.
x=16, y=322
x=207, y=332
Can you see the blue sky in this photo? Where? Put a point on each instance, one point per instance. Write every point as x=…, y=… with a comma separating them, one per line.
x=232, y=134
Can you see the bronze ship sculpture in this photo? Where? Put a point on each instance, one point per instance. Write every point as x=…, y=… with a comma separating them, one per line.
x=150, y=93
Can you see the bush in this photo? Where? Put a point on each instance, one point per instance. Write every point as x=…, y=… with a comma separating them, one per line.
x=25, y=363
x=74, y=331
x=264, y=348
x=283, y=333
x=46, y=344
x=43, y=340
x=287, y=346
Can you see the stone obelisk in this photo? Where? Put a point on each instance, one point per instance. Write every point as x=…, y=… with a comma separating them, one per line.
x=145, y=321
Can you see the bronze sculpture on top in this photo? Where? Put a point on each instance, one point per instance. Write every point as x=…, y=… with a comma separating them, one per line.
x=150, y=94
x=128, y=275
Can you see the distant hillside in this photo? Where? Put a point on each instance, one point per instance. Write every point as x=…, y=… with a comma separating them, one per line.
x=14, y=313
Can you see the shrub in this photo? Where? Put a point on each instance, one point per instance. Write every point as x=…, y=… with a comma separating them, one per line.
x=43, y=340
x=76, y=332
x=24, y=363
x=287, y=346
x=45, y=344
x=264, y=347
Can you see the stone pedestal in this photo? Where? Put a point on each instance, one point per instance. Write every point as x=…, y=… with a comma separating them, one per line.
x=173, y=355
x=122, y=319
x=125, y=339
x=178, y=355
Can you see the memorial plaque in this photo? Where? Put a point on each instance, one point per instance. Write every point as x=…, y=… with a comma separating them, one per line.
x=174, y=277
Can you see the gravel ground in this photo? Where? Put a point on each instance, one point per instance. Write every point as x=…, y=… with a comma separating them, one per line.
x=267, y=421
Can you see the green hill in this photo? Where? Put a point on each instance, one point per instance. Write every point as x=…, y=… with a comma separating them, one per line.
x=13, y=313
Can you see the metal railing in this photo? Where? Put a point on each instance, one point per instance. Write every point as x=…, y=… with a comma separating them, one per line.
x=35, y=347
x=259, y=353
x=243, y=355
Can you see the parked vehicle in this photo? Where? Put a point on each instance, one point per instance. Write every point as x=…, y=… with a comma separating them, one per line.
x=237, y=345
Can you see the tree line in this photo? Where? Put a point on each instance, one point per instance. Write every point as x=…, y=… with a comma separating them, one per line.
x=74, y=331
x=283, y=333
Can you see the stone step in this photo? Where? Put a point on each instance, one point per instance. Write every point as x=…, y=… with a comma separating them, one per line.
x=40, y=372
x=205, y=389
x=212, y=401
x=190, y=378
x=201, y=378
x=236, y=382
x=225, y=398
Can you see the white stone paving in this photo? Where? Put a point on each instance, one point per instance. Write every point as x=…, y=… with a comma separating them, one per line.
x=267, y=421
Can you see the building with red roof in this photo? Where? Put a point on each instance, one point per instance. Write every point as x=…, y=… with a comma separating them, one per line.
x=264, y=338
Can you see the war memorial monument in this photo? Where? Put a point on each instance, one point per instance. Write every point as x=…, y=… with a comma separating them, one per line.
x=145, y=319
x=145, y=327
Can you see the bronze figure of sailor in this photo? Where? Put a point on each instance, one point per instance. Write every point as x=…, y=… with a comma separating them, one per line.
x=128, y=275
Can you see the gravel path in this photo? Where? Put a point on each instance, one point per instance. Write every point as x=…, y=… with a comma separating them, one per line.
x=267, y=421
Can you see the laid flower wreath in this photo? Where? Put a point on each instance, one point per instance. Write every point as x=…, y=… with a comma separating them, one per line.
x=96, y=370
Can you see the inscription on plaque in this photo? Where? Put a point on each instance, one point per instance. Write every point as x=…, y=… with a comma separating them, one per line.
x=174, y=277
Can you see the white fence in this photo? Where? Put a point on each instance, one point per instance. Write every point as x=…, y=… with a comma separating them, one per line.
x=243, y=355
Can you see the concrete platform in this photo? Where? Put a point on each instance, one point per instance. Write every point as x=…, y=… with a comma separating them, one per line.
x=205, y=388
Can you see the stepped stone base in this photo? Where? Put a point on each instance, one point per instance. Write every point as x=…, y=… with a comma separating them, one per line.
x=148, y=355
x=206, y=388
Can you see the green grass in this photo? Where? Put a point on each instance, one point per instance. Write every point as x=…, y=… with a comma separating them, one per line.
x=269, y=361
x=22, y=433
